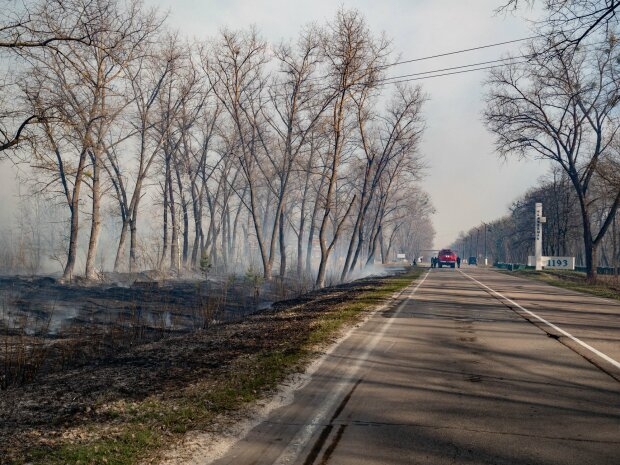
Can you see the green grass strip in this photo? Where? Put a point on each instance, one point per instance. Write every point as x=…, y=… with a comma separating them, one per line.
x=123, y=449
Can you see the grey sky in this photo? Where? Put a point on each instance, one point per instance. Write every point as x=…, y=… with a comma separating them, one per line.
x=467, y=182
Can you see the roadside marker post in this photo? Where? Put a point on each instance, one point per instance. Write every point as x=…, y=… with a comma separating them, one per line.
x=539, y=220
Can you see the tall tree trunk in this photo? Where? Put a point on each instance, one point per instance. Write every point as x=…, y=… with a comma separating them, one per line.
x=175, y=257
x=74, y=228
x=282, y=245
x=120, y=251
x=73, y=199
x=183, y=204
x=348, y=266
x=95, y=219
x=310, y=246
x=133, y=242
x=325, y=254
x=355, y=237
x=258, y=230
x=164, y=251
x=275, y=229
x=225, y=233
x=185, y=232
x=358, y=248
x=300, y=240
x=197, y=210
x=356, y=234
x=588, y=244
x=382, y=248
x=133, y=226
x=229, y=241
x=372, y=247
x=233, y=246
x=325, y=250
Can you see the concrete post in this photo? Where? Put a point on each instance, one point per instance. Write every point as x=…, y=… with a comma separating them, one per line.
x=538, y=222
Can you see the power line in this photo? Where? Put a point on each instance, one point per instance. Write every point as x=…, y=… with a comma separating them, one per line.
x=455, y=69
x=503, y=62
x=465, y=50
x=448, y=74
x=431, y=74
x=439, y=55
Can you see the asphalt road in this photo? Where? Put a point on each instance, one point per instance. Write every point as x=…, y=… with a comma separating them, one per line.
x=468, y=366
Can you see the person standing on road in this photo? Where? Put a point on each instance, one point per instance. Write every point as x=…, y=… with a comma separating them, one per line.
x=458, y=262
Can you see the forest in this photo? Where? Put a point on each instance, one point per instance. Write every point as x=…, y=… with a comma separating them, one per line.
x=138, y=149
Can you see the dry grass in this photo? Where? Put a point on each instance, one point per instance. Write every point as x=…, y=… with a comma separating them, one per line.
x=605, y=286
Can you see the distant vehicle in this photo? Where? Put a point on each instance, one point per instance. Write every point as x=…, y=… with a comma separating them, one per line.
x=472, y=261
x=446, y=257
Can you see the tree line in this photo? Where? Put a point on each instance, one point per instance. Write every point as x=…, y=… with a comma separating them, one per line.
x=510, y=239
x=296, y=156
x=560, y=101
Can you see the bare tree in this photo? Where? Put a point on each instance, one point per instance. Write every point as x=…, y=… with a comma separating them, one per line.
x=299, y=102
x=572, y=21
x=79, y=89
x=389, y=202
x=122, y=114
x=146, y=77
x=235, y=69
x=354, y=61
x=384, y=139
x=28, y=25
x=187, y=166
x=415, y=232
x=561, y=109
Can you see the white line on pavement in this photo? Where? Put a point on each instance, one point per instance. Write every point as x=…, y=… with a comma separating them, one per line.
x=605, y=357
x=294, y=448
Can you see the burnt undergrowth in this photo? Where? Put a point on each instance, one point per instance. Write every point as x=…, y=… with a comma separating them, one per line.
x=116, y=393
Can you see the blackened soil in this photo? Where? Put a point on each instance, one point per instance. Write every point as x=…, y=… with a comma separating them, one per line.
x=67, y=391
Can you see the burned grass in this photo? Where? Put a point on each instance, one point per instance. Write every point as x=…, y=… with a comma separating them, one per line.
x=122, y=405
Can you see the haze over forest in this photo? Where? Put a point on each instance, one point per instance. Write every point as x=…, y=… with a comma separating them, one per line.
x=146, y=149
x=213, y=155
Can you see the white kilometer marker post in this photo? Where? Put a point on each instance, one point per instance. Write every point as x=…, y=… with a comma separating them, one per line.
x=539, y=220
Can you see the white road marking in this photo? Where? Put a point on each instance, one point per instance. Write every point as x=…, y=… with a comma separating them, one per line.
x=294, y=448
x=605, y=357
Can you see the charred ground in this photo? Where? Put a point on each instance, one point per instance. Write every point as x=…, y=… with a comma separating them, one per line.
x=85, y=383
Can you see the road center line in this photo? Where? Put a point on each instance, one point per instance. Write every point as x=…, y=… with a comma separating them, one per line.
x=600, y=354
x=296, y=445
